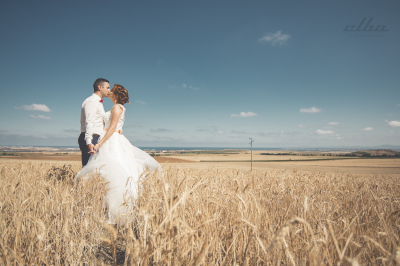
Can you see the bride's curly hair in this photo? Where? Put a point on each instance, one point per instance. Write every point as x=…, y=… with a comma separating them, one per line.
x=121, y=93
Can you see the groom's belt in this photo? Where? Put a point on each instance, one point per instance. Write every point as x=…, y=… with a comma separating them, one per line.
x=97, y=135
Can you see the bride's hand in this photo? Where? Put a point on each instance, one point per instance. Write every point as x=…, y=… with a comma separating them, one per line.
x=97, y=147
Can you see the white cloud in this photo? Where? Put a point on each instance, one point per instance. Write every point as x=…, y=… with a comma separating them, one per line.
x=394, y=123
x=302, y=126
x=141, y=102
x=40, y=117
x=398, y=105
x=368, y=129
x=35, y=107
x=275, y=38
x=333, y=123
x=220, y=132
x=185, y=86
x=310, y=110
x=243, y=114
x=324, y=132
x=239, y=132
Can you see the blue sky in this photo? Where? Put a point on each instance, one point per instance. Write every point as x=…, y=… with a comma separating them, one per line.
x=204, y=73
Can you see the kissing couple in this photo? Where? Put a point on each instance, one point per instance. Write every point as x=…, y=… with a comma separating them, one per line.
x=105, y=150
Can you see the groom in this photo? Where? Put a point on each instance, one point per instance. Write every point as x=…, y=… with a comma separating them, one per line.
x=92, y=119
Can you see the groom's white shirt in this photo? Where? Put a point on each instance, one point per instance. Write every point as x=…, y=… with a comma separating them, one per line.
x=92, y=117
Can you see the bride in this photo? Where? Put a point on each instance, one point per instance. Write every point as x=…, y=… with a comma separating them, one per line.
x=116, y=160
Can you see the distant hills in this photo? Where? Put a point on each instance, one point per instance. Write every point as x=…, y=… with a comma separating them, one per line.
x=355, y=147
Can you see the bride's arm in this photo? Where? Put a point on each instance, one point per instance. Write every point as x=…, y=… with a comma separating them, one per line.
x=116, y=112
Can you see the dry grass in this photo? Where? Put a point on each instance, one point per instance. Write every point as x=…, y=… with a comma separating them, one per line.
x=202, y=217
x=45, y=218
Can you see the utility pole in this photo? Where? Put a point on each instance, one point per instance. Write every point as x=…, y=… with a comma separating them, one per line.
x=251, y=143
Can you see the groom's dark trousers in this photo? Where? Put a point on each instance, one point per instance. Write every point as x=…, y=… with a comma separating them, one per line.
x=84, y=148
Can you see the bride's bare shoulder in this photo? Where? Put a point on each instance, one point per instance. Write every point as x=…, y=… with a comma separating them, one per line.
x=117, y=108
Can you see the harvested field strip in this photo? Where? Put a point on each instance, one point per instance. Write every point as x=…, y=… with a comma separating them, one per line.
x=45, y=157
x=263, y=161
x=162, y=159
x=77, y=158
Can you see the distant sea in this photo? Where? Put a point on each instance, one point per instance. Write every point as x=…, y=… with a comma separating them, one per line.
x=157, y=148
x=203, y=148
x=147, y=148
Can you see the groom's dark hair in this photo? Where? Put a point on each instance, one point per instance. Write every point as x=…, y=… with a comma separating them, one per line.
x=99, y=82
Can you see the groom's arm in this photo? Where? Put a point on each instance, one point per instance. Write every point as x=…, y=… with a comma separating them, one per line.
x=90, y=114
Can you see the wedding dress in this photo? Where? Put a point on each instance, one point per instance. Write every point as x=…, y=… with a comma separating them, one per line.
x=120, y=164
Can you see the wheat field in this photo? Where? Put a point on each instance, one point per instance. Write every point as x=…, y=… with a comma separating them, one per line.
x=190, y=216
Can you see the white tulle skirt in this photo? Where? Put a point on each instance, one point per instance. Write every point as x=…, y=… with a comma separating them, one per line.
x=120, y=164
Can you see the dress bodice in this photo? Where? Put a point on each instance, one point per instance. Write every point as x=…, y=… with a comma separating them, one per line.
x=107, y=119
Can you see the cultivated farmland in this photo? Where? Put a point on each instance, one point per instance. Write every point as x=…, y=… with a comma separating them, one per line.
x=200, y=216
